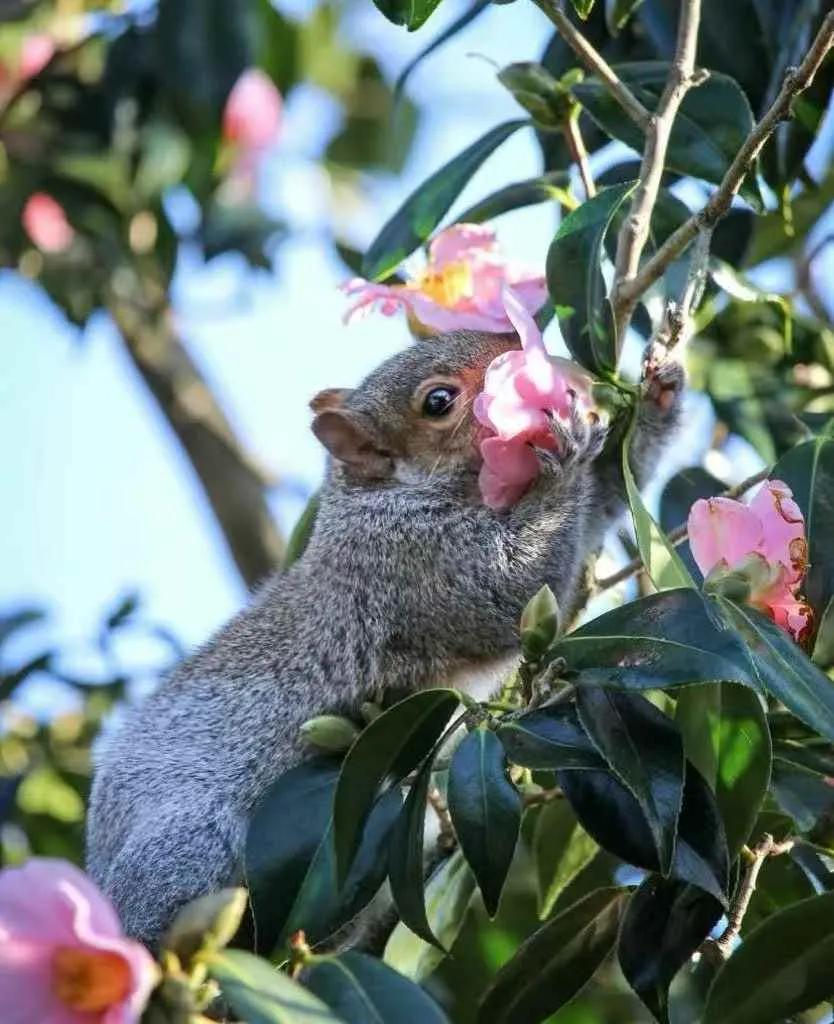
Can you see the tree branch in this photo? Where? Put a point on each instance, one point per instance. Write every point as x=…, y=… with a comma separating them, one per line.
x=676, y=536
x=595, y=62
x=234, y=486
x=635, y=229
x=796, y=81
x=576, y=145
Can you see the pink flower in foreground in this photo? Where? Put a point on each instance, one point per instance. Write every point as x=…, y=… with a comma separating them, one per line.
x=45, y=222
x=523, y=391
x=252, y=115
x=63, y=956
x=764, y=542
x=35, y=53
x=461, y=287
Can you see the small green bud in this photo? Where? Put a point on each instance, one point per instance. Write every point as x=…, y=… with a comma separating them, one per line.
x=329, y=732
x=548, y=102
x=539, y=623
x=206, y=924
x=370, y=711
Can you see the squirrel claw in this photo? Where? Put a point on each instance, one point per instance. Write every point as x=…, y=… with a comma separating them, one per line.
x=663, y=377
x=580, y=438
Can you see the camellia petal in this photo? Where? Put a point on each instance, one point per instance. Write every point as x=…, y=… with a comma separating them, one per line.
x=459, y=242
x=783, y=525
x=720, y=528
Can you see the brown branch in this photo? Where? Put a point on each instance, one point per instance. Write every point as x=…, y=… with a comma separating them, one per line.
x=579, y=154
x=719, y=949
x=235, y=488
x=676, y=536
x=635, y=230
x=446, y=838
x=796, y=81
x=595, y=62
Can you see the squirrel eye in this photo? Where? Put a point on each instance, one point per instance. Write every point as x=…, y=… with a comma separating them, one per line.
x=439, y=401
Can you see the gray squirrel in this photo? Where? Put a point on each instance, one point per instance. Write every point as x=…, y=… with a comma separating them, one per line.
x=408, y=581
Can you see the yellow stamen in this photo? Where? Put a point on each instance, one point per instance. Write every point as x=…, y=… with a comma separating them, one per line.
x=446, y=287
x=89, y=979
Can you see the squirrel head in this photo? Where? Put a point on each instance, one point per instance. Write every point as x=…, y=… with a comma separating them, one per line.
x=412, y=417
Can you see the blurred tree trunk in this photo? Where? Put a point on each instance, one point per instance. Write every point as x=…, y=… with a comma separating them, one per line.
x=235, y=487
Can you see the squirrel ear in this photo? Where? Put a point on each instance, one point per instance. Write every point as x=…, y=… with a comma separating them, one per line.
x=330, y=398
x=350, y=441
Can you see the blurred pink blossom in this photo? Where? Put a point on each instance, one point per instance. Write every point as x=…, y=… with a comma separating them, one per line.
x=523, y=390
x=35, y=53
x=63, y=956
x=763, y=541
x=45, y=222
x=252, y=115
x=461, y=287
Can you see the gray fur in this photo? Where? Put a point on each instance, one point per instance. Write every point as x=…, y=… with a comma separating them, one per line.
x=406, y=582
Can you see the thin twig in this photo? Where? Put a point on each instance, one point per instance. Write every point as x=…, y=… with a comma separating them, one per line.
x=595, y=62
x=541, y=796
x=796, y=81
x=635, y=230
x=676, y=536
x=579, y=154
x=719, y=949
x=446, y=839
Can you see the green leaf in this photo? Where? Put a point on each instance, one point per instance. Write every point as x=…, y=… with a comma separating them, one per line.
x=406, y=861
x=260, y=993
x=781, y=883
x=551, y=187
x=549, y=738
x=617, y=13
x=447, y=897
x=644, y=749
x=665, y=922
x=552, y=965
x=411, y=13
x=659, y=556
x=574, y=277
x=664, y=640
x=486, y=811
x=420, y=214
x=388, y=749
x=583, y=7
x=713, y=121
x=363, y=990
x=783, y=669
x=782, y=968
x=302, y=531
x=726, y=737
x=561, y=849
x=807, y=798
x=808, y=470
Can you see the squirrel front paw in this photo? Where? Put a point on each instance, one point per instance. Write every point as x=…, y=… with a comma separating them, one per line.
x=579, y=438
x=663, y=379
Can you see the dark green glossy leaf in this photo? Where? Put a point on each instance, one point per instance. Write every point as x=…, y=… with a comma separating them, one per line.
x=556, y=961
x=386, y=751
x=551, y=187
x=259, y=993
x=781, y=883
x=486, y=811
x=783, y=669
x=711, y=125
x=363, y=990
x=302, y=531
x=644, y=749
x=420, y=214
x=410, y=13
x=561, y=849
x=617, y=13
x=574, y=277
x=781, y=968
x=807, y=798
x=406, y=861
x=449, y=892
x=665, y=922
x=551, y=737
x=679, y=495
x=808, y=470
x=726, y=737
x=583, y=7
x=664, y=640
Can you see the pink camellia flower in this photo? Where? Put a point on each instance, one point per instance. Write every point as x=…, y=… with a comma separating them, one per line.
x=252, y=115
x=523, y=391
x=461, y=287
x=45, y=222
x=764, y=544
x=35, y=53
x=63, y=956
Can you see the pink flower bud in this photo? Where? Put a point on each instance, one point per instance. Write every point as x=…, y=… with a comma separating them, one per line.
x=37, y=51
x=252, y=116
x=45, y=222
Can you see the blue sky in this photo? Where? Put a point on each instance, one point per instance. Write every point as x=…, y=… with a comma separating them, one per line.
x=96, y=498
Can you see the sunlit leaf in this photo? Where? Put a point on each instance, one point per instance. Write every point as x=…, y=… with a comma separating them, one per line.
x=561, y=849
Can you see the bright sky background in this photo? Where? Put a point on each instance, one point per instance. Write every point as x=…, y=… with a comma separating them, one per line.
x=96, y=498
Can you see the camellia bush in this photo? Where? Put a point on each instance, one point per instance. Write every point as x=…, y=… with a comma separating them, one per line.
x=640, y=824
